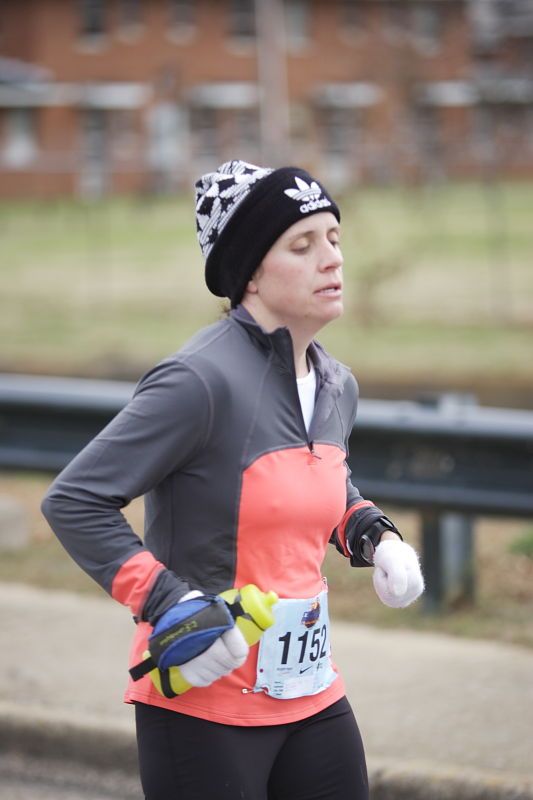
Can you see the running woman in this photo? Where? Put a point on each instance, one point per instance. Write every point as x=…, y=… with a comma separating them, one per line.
x=238, y=443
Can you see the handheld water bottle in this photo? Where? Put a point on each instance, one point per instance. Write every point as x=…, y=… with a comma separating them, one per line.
x=249, y=607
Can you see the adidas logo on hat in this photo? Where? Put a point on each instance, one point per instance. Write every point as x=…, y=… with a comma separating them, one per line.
x=308, y=192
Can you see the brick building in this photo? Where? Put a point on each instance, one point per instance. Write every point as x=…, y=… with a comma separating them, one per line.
x=104, y=96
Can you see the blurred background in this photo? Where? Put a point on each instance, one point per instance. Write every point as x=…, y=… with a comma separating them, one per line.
x=418, y=114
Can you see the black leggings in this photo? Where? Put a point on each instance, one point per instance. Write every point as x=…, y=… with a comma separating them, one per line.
x=185, y=758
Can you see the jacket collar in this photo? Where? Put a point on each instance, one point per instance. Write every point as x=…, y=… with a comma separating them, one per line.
x=329, y=370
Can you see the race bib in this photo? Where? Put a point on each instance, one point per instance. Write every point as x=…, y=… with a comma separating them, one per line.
x=294, y=654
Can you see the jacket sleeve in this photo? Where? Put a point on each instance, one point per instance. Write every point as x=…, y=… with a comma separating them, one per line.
x=359, y=517
x=360, y=514
x=168, y=419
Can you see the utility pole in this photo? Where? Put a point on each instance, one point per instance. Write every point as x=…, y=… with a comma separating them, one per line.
x=272, y=80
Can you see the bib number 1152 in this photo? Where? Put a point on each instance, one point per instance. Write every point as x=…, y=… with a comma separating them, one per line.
x=294, y=654
x=309, y=646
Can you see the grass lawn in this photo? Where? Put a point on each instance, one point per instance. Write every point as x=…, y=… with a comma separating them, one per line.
x=439, y=287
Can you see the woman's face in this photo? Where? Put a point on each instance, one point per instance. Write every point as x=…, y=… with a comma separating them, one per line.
x=299, y=281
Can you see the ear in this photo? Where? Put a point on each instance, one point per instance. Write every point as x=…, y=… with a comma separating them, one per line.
x=251, y=287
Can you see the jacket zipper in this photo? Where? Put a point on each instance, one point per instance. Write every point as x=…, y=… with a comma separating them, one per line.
x=310, y=443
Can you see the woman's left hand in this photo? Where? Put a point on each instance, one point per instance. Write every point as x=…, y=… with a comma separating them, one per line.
x=397, y=578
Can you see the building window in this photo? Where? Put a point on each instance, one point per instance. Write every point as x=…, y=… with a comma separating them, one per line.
x=351, y=16
x=419, y=22
x=300, y=124
x=242, y=23
x=506, y=127
x=130, y=20
x=181, y=20
x=338, y=126
x=130, y=12
x=123, y=134
x=92, y=17
x=205, y=133
x=426, y=135
x=297, y=23
x=130, y=15
x=302, y=133
x=246, y=133
x=20, y=138
x=529, y=128
x=93, y=178
x=167, y=149
x=427, y=24
x=181, y=14
x=397, y=20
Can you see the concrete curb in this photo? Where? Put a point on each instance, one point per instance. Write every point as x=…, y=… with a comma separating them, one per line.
x=94, y=743
x=99, y=744
x=414, y=781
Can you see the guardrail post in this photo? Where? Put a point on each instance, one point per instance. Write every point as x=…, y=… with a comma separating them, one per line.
x=448, y=537
x=447, y=560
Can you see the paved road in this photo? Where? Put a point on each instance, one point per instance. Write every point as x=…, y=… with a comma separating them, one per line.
x=422, y=700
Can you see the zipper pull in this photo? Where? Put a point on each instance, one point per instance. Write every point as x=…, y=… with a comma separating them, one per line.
x=312, y=451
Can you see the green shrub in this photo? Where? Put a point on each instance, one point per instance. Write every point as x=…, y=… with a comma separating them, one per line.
x=523, y=546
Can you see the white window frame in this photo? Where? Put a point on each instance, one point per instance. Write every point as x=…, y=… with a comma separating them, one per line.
x=20, y=147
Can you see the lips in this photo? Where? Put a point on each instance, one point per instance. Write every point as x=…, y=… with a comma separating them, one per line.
x=330, y=289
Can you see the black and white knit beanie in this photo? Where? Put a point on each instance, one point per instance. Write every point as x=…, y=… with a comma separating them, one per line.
x=241, y=210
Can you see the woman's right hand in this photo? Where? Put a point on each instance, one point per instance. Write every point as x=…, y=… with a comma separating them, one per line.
x=227, y=653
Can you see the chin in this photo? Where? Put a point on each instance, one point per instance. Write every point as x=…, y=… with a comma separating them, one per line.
x=334, y=312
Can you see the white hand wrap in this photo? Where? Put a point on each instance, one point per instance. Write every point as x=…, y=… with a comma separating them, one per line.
x=397, y=576
x=226, y=654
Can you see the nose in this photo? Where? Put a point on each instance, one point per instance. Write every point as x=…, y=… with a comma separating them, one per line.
x=330, y=256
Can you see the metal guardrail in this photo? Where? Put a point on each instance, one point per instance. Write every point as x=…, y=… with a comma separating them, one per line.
x=452, y=455
x=44, y=421
x=450, y=460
